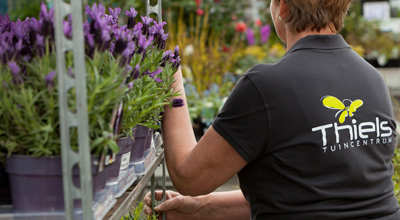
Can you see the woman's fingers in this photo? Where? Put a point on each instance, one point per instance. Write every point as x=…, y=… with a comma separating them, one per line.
x=158, y=197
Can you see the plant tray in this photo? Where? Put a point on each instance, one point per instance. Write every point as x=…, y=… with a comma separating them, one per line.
x=142, y=167
x=102, y=203
x=125, y=179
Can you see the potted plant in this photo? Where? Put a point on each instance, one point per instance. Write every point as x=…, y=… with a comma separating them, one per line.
x=29, y=105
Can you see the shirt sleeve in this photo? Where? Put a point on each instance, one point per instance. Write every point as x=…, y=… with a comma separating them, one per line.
x=242, y=120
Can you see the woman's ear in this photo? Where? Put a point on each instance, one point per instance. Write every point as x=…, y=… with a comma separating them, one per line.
x=283, y=9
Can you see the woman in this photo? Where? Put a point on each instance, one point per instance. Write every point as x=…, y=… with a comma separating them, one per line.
x=310, y=137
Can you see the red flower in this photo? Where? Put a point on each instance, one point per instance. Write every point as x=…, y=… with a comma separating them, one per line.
x=258, y=22
x=198, y=2
x=226, y=49
x=240, y=27
x=200, y=11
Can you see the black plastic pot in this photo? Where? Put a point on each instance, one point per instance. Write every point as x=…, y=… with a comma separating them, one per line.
x=37, y=184
x=139, y=145
x=5, y=196
x=121, y=160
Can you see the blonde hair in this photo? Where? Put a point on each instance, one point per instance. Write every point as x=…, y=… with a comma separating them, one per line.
x=316, y=14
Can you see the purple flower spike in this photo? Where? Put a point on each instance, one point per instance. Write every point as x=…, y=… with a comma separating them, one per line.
x=265, y=32
x=250, y=36
x=90, y=39
x=176, y=62
x=47, y=20
x=46, y=15
x=176, y=52
x=5, y=23
x=50, y=78
x=131, y=20
x=18, y=29
x=146, y=20
x=95, y=11
x=130, y=85
x=136, y=72
x=157, y=27
x=70, y=73
x=152, y=74
x=176, y=103
x=67, y=29
x=115, y=13
x=144, y=43
x=18, y=45
x=14, y=68
x=35, y=25
x=146, y=25
x=127, y=54
x=131, y=13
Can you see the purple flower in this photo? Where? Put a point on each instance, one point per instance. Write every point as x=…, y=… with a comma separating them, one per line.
x=47, y=20
x=152, y=74
x=136, y=72
x=44, y=14
x=130, y=85
x=161, y=44
x=146, y=25
x=127, y=54
x=176, y=52
x=157, y=27
x=95, y=12
x=5, y=23
x=15, y=70
x=18, y=29
x=144, y=43
x=18, y=45
x=70, y=73
x=114, y=13
x=90, y=39
x=177, y=103
x=49, y=78
x=121, y=40
x=250, y=36
x=138, y=27
x=265, y=32
x=131, y=20
x=67, y=29
x=176, y=62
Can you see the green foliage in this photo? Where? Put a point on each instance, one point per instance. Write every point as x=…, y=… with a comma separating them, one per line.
x=30, y=114
x=137, y=214
x=396, y=176
x=24, y=8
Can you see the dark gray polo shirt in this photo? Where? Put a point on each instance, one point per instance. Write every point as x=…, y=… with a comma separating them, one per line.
x=317, y=131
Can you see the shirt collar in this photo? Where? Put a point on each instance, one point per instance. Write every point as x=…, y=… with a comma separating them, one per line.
x=322, y=42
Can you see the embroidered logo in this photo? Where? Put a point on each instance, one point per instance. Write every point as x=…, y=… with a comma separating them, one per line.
x=332, y=102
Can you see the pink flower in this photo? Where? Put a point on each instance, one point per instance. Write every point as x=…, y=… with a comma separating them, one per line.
x=240, y=27
x=200, y=11
x=258, y=22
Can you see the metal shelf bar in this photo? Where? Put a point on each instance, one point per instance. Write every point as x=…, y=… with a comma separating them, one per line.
x=68, y=119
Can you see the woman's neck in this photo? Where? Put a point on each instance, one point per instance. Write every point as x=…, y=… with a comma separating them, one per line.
x=292, y=37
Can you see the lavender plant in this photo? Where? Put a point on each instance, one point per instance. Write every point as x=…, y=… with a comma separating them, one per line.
x=124, y=62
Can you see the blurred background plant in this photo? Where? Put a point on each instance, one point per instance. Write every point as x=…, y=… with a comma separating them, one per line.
x=205, y=61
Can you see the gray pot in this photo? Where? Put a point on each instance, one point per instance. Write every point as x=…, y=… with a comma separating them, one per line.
x=37, y=185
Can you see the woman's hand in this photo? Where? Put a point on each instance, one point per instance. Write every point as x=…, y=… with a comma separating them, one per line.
x=176, y=206
x=214, y=206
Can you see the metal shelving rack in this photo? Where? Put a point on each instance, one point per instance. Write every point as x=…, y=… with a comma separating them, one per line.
x=79, y=119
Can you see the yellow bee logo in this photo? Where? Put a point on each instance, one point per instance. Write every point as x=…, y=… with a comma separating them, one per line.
x=344, y=111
